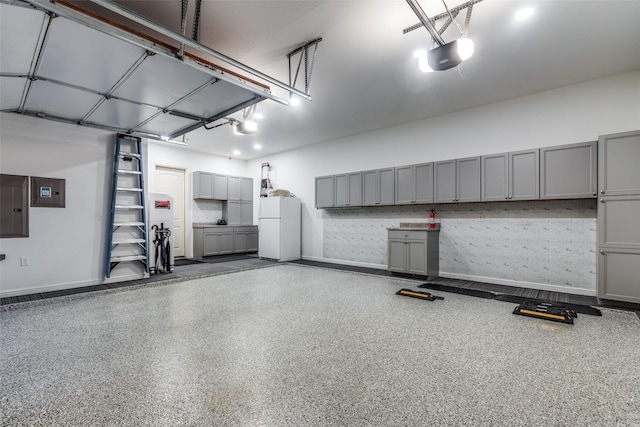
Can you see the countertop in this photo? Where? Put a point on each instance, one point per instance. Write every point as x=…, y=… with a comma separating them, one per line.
x=415, y=226
x=207, y=225
x=216, y=225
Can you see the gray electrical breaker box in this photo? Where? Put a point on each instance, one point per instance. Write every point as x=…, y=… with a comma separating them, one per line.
x=47, y=192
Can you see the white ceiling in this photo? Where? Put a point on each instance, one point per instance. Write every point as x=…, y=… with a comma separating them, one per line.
x=365, y=76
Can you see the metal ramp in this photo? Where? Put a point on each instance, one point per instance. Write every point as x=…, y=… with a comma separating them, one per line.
x=128, y=226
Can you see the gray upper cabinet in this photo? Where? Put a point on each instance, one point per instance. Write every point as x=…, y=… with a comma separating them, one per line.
x=468, y=179
x=495, y=177
x=457, y=180
x=325, y=191
x=619, y=158
x=568, y=171
x=511, y=176
x=378, y=187
x=348, y=189
x=207, y=185
x=202, y=185
x=414, y=184
x=237, y=212
x=219, y=186
x=524, y=175
x=240, y=188
x=444, y=178
x=246, y=189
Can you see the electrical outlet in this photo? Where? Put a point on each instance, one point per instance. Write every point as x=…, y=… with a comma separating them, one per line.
x=481, y=217
x=24, y=261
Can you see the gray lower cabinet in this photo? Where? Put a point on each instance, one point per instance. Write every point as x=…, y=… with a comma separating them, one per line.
x=414, y=184
x=569, y=171
x=325, y=191
x=618, y=214
x=212, y=241
x=221, y=240
x=245, y=239
x=457, y=180
x=348, y=189
x=378, y=187
x=413, y=252
x=511, y=176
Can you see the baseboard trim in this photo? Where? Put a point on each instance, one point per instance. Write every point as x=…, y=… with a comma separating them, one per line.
x=64, y=286
x=343, y=262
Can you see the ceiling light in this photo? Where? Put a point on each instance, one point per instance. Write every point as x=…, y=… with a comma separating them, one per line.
x=465, y=48
x=257, y=146
x=524, y=14
x=236, y=152
x=423, y=64
x=293, y=100
x=164, y=137
x=258, y=116
x=245, y=128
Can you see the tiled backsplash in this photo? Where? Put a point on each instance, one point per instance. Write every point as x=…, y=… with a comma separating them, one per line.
x=206, y=210
x=547, y=242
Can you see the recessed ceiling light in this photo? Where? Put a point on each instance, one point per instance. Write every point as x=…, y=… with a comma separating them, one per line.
x=258, y=116
x=524, y=14
x=257, y=146
x=236, y=152
x=294, y=100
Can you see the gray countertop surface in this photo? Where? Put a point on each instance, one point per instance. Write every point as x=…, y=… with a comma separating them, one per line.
x=415, y=226
x=215, y=225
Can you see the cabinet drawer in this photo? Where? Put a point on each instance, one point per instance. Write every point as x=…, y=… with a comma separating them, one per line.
x=218, y=230
x=246, y=229
x=409, y=234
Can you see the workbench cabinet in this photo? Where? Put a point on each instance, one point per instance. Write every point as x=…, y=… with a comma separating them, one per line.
x=413, y=251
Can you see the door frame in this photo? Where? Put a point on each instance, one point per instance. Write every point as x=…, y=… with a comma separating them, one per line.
x=188, y=224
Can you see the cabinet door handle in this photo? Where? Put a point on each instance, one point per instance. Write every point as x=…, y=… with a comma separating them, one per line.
x=601, y=200
x=602, y=252
x=602, y=191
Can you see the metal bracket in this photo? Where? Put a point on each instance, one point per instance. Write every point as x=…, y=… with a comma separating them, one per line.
x=429, y=23
x=303, y=52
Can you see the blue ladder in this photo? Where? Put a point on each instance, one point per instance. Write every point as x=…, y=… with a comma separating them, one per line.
x=128, y=226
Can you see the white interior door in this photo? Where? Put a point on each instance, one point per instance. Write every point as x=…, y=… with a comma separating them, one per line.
x=171, y=181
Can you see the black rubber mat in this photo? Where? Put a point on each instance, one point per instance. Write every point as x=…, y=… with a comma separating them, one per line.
x=185, y=261
x=582, y=309
x=462, y=291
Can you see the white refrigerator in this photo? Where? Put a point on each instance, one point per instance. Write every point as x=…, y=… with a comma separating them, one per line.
x=279, y=228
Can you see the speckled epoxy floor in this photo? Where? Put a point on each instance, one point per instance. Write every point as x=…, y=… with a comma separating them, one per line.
x=293, y=345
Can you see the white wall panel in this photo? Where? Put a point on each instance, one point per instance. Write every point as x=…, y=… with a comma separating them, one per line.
x=60, y=101
x=161, y=81
x=11, y=89
x=16, y=56
x=89, y=48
